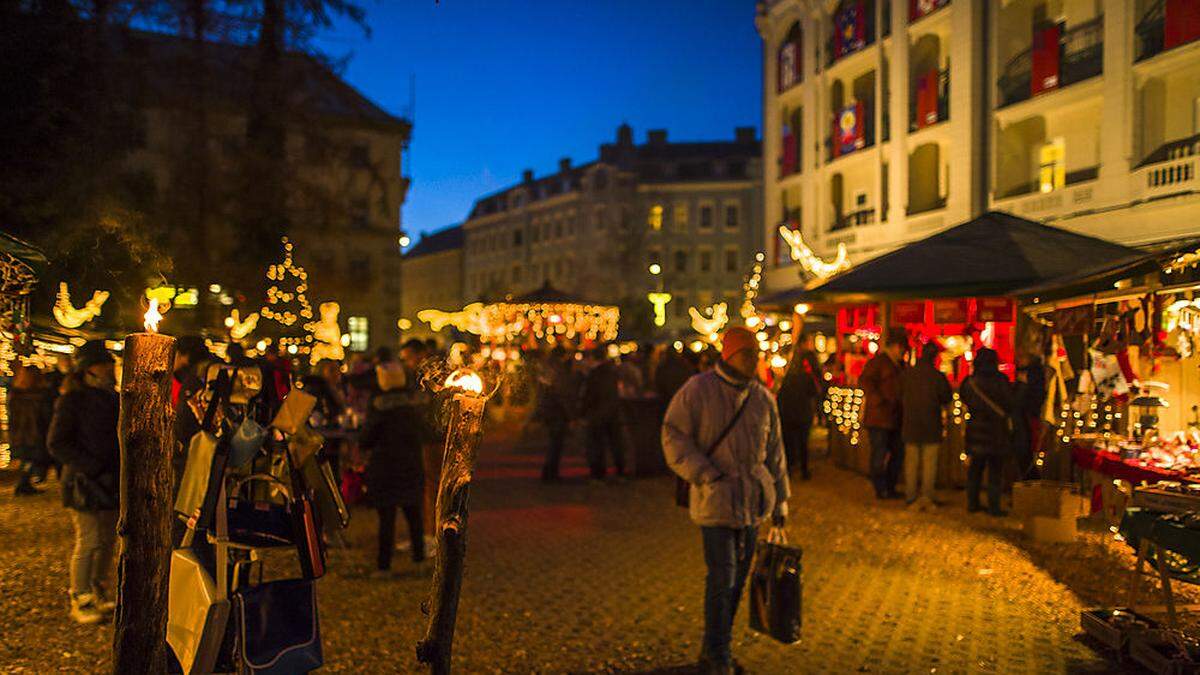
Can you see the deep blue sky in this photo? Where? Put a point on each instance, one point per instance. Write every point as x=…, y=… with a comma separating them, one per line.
x=504, y=85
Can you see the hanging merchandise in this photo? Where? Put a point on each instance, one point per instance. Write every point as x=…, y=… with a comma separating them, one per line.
x=1106, y=376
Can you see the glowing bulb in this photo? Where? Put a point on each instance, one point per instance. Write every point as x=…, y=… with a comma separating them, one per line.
x=655, y=268
x=404, y=240
x=801, y=308
x=465, y=379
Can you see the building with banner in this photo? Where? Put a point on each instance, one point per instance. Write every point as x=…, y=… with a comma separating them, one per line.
x=1082, y=115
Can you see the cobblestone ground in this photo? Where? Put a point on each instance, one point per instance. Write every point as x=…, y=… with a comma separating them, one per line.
x=577, y=577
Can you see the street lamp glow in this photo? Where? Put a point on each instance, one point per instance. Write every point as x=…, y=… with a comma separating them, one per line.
x=802, y=308
x=404, y=240
x=655, y=269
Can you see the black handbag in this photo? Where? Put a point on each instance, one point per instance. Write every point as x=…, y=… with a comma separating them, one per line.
x=94, y=494
x=682, y=487
x=261, y=523
x=279, y=631
x=776, y=589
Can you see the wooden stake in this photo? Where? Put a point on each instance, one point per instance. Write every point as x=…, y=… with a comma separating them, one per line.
x=146, y=432
x=462, y=442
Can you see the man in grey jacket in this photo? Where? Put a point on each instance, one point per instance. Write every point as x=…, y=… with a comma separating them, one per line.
x=733, y=459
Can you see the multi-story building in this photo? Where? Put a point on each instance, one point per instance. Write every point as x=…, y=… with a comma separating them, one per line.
x=346, y=183
x=431, y=277
x=691, y=208
x=887, y=120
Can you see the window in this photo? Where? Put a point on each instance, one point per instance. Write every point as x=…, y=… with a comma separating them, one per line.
x=537, y=233
x=600, y=180
x=790, y=59
x=656, y=216
x=360, y=156
x=516, y=274
x=680, y=304
x=705, y=260
x=706, y=216
x=598, y=217
x=1052, y=170
x=653, y=257
x=360, y=333
x=681, y=260
x=518, y=236
x=359, y=266
x=680, y=217
x=731, y=260
x=731, y=216
x=360, y=214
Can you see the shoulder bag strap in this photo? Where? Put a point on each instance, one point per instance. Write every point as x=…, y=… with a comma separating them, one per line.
x=732, y=423
x=987, y=399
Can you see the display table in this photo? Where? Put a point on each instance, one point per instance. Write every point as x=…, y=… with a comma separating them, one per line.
x=1111, y=465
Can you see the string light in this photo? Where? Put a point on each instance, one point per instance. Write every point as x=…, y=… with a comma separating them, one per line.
x=843, y=405
x=812, y=263
x=504, y=322
x=278, y=274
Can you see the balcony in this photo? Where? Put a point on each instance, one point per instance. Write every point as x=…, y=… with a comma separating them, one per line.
x=853, y=30
x=1072, y=178
x=1080, y=56
x=939, y=203
x=930, y=100
x=845, y=139
x=853, y=219
x=1166, y=25
x=1169, y=170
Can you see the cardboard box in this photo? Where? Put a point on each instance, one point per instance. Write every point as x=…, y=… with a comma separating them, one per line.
x=1051, y=530
x=1047, y=499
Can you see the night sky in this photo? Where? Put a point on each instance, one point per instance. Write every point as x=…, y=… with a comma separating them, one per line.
x=504, y=85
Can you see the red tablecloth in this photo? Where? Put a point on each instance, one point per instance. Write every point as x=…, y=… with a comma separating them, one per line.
x=1111, y=464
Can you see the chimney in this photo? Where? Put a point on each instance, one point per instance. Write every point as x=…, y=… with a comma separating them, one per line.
x=745, y=135
x=656, y=137
x=564, y=165
x=625, y=135
x=527, y=175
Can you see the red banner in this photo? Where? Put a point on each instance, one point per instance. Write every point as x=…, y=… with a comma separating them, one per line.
x=849, y=126
x=1045, y=59
x=1181, y=22
x=927, y=99
x=787, y=162
x=951, y=311
x=994, y=309
x=920, y=8
x=908, y=311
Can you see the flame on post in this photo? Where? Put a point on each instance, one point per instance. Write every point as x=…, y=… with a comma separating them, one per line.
x=466, y=380
x=152, y=317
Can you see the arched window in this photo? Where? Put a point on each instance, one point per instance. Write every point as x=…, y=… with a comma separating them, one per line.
x=791, y=59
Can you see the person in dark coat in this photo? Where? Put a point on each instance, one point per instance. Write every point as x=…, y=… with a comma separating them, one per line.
x=988, y=396
x=83, y=437
x=1029, y=396
x=555, y=395
x=880, y=382
x=797, y=399
x=30, y=406
x=601, y=407
x=672, y=371
x=395, y=475
x=924, y=393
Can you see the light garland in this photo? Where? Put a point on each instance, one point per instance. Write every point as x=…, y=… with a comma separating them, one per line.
x=843, y=405
x=70, y=317
x=1182, y=262
x=811, y=262
x=505, y=322
x=750, y=291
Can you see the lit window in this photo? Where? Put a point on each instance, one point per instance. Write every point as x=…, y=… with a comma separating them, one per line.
x=360, y=333
x=681, y=217
x=656, y=217
x=1052, y=171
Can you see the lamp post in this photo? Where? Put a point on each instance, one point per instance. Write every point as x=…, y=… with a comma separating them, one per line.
x=658, y=298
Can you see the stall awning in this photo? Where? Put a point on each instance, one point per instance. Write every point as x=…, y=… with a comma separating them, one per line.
x=1099, y=276
x=21, y=250
x=993, y=254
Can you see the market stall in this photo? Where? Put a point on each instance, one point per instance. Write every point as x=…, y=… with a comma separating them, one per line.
x=955, y=288
x=1119, y=338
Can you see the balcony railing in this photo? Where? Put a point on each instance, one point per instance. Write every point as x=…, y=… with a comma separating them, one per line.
x=1173, y=150
x=939, y=111
x=853, y=219
x=1160, y=29
x=1071, y=178
x=1080, y=56
x=1169, y=170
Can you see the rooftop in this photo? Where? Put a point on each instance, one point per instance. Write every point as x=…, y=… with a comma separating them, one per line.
x=445, y=239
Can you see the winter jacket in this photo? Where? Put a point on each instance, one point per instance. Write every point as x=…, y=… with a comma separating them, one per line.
x=987, y=430
x=880, y=382
x=83, y=436
x=744, y=479
x=924, y=391
x=394, y=434
x=29, y=413
x=801, y=389
x=601, y=398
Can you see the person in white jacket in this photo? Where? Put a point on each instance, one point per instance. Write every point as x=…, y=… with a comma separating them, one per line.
x=721, y=434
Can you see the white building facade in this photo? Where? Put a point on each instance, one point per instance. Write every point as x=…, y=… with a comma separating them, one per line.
x=888, y=120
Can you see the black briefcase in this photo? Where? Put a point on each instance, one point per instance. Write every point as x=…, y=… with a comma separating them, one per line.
x=776, y=589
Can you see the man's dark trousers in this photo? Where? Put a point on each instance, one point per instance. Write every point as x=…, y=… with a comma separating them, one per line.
x=887, y=460
x=727, y=555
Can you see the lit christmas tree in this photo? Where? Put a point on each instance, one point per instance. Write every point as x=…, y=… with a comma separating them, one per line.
x=287, y=302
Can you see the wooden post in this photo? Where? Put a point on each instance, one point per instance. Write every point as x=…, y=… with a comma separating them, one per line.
x=146, y=432
x=462, y=442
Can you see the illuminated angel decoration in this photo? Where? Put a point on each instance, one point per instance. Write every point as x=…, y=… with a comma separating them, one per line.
x=710, y=322
x=470, y=318
x=327, y=334
x=68, y=315
x=239, y=328
x=811, y=262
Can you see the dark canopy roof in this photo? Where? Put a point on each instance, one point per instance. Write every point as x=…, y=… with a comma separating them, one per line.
x=993, y=254
x=21, y=250
x=1100, y=275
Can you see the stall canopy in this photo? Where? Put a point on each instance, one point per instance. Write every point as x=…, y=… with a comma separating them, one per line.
x=993, y=254
x=1100, y=276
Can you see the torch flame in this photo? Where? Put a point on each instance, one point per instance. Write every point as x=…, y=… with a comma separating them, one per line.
x=152, y=316
x=465, y=379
